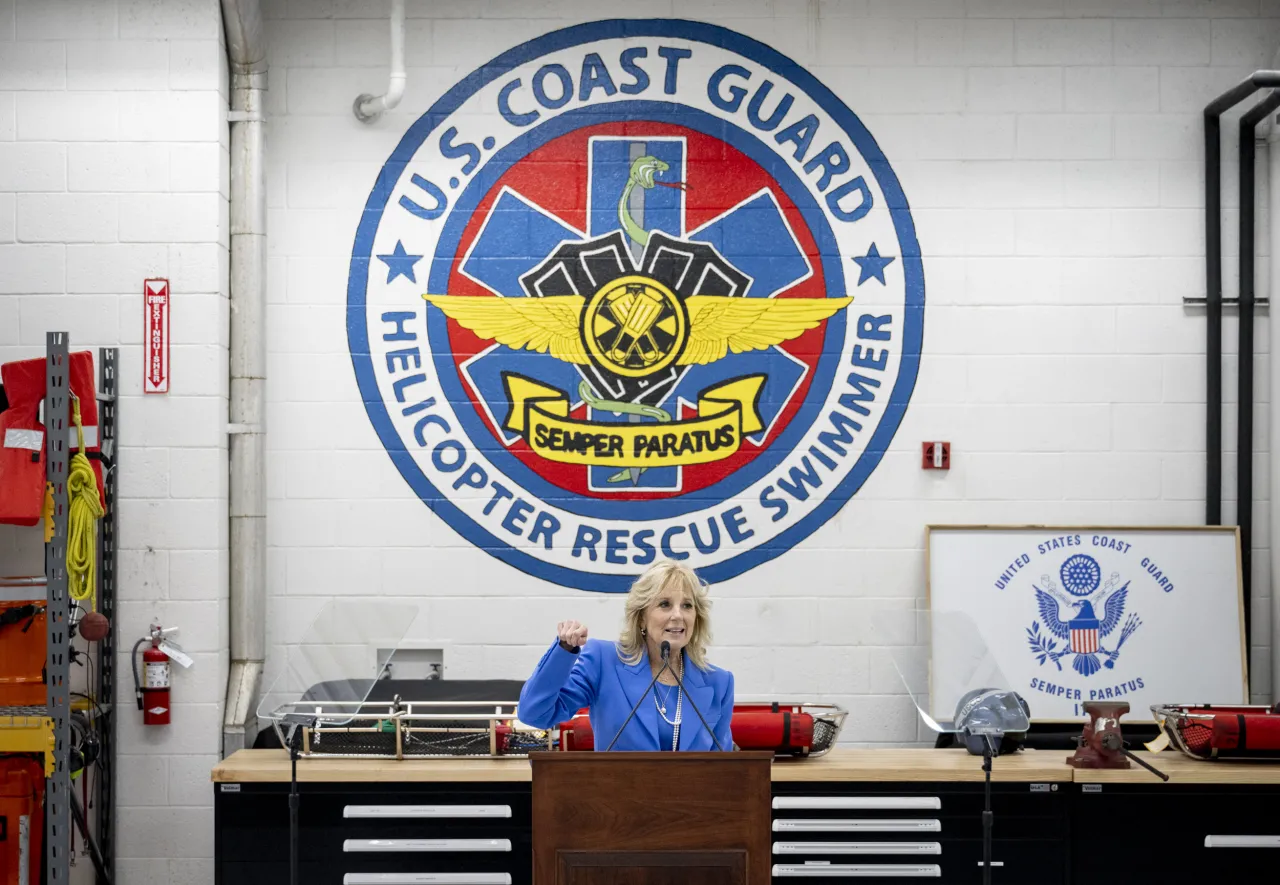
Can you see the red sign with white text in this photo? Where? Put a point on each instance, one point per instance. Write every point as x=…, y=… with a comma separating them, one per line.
x=155, y=370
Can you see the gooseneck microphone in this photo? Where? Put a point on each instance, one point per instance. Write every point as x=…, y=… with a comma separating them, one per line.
x=666, y=651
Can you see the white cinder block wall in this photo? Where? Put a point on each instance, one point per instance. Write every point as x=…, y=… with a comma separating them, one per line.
x=1051, y=152
x=113, y=168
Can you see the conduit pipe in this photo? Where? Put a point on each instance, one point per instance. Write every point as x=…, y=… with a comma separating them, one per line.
x=1213, y=280
x=1244, y=379
x=367, y=107
x=1273, y=139
x=247, y=60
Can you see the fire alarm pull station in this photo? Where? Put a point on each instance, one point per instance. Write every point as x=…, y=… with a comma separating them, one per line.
x=936, y=456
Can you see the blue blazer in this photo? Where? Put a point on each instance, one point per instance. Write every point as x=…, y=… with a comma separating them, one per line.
x=596, y=677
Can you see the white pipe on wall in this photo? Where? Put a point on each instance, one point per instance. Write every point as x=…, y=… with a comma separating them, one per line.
x=246, y=55
x=367, y=107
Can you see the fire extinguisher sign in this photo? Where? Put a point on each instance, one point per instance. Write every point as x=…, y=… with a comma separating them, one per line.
x=156, y=346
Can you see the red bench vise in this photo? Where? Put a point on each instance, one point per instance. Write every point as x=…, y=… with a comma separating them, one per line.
x=1101, y=744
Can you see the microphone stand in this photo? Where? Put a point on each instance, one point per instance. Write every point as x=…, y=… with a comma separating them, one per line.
x=294, y=739
x=642, y=697
x=666, y=650
x=298, y=723
x=988, y=816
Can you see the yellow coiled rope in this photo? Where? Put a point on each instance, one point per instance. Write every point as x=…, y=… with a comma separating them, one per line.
x=82, y=530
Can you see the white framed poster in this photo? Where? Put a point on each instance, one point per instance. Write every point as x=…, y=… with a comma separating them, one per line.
x=1072, y=614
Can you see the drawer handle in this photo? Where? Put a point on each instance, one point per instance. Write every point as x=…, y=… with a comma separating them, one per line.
x=857, y=848
x=385, y=845
x=426, y=879
x=1242, y=841
x=419, y=811
x=859, y=825
x=866, y=871
x=862, y=803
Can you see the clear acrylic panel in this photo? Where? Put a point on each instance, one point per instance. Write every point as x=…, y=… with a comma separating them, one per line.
x=339, y=659
x=942, y=658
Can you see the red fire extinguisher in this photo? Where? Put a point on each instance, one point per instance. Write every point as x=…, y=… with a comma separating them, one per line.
x=153, y=691
x=155, y=687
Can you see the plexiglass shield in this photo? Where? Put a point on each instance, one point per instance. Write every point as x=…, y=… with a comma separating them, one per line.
x=943, y=664
x=335, y=665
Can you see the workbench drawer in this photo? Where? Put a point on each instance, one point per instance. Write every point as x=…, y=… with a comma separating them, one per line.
x=1136, y=831
x=368, y=829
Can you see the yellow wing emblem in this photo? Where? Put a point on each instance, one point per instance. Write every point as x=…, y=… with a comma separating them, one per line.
x=718, y=324
x=546, y=325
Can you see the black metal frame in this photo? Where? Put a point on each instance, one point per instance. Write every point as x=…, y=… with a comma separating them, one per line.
x=1213, y=303
x=58, y=611
x=62, y=809
x=105, y=691
x=1244, y=433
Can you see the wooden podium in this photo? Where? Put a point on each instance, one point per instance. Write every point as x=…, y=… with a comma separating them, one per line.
x=630, y=818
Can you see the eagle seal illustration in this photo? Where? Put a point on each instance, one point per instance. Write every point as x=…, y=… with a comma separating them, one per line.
x=1082, y=631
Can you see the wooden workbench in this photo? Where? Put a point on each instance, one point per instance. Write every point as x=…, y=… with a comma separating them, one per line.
x=840, y=764
x=1054, y=825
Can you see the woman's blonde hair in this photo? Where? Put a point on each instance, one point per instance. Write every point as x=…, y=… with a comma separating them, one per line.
x=659, y=576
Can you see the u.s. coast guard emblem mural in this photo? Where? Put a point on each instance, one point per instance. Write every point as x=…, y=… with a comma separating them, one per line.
x=636, y=289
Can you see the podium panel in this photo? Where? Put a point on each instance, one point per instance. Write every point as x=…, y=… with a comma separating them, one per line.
x=653, y=867
x=664, y=818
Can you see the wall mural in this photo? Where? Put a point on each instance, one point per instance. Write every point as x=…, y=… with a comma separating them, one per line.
x=636, y=289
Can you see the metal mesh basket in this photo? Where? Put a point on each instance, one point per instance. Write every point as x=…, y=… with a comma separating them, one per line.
x=406, y=730
x=1190, y=728
x=825, y=733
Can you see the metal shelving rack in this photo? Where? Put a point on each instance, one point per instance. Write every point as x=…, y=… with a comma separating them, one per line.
x=58, y=697
x=105, y=691
x=60, y=802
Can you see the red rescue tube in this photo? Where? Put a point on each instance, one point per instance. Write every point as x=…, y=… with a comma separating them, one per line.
x=755, y=727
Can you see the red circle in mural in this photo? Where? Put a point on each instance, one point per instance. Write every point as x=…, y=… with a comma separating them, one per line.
x=717, y=178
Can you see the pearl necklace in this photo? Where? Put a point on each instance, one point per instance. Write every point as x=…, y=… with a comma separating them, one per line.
x=674, y=723
x=662, y=711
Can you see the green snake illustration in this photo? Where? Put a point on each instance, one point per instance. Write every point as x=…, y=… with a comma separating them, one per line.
x=643, y=173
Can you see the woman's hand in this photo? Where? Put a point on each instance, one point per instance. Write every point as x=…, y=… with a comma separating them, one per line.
x=572, y=633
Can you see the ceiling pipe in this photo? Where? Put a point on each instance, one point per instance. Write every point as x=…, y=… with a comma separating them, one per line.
x=247, y=60
x=367, y=107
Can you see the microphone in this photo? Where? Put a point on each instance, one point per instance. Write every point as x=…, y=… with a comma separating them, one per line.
x=666, y=650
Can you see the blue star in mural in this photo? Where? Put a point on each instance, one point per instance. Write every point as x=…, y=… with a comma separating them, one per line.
x=872, y=265
x=400, y=263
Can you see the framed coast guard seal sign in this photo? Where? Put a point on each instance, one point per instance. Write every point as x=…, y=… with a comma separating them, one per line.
x=1067, y=615
x=636, y=289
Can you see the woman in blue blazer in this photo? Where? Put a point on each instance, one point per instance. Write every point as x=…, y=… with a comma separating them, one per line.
x=667, y=603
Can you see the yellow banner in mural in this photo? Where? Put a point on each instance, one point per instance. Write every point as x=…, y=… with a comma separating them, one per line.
x=726, y=413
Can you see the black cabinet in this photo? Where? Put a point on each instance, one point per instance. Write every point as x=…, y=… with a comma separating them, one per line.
x=840, y=832
x=347, y=832
x=1173, y=834
x=1044, y=833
